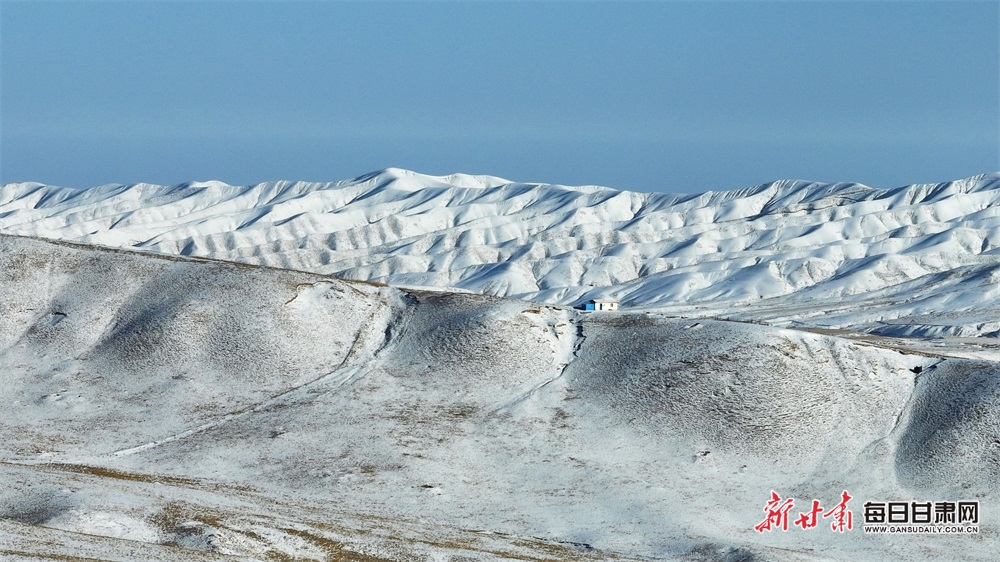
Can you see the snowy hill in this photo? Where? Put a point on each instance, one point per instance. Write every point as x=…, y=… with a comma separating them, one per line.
x=789, y=248
x=171, y=408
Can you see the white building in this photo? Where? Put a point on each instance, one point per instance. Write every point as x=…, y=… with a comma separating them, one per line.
x=601, y=305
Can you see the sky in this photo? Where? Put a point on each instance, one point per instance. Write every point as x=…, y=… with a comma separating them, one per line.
x=647, y=96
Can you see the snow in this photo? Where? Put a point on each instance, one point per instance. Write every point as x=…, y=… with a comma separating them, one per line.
x=785, y=241
x=202, y=386
x=193, y=408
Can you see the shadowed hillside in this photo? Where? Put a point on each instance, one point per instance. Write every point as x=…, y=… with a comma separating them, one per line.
x=272, y=414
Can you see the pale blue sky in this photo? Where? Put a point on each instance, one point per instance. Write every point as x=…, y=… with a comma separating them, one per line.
x=656, y=96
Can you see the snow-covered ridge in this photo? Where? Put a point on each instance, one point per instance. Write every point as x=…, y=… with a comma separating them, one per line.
x=188, y=409
x=920, y=249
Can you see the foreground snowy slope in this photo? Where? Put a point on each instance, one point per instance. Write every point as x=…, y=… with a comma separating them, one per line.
x=789, y=247
x=167, y=408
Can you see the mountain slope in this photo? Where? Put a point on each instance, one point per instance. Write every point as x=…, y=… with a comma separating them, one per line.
x=790, y=244
x=167, y=408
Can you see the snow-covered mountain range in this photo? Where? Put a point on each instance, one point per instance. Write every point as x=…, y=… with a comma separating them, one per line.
x=170, y=409
x=159, y=405
x=914, y=260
